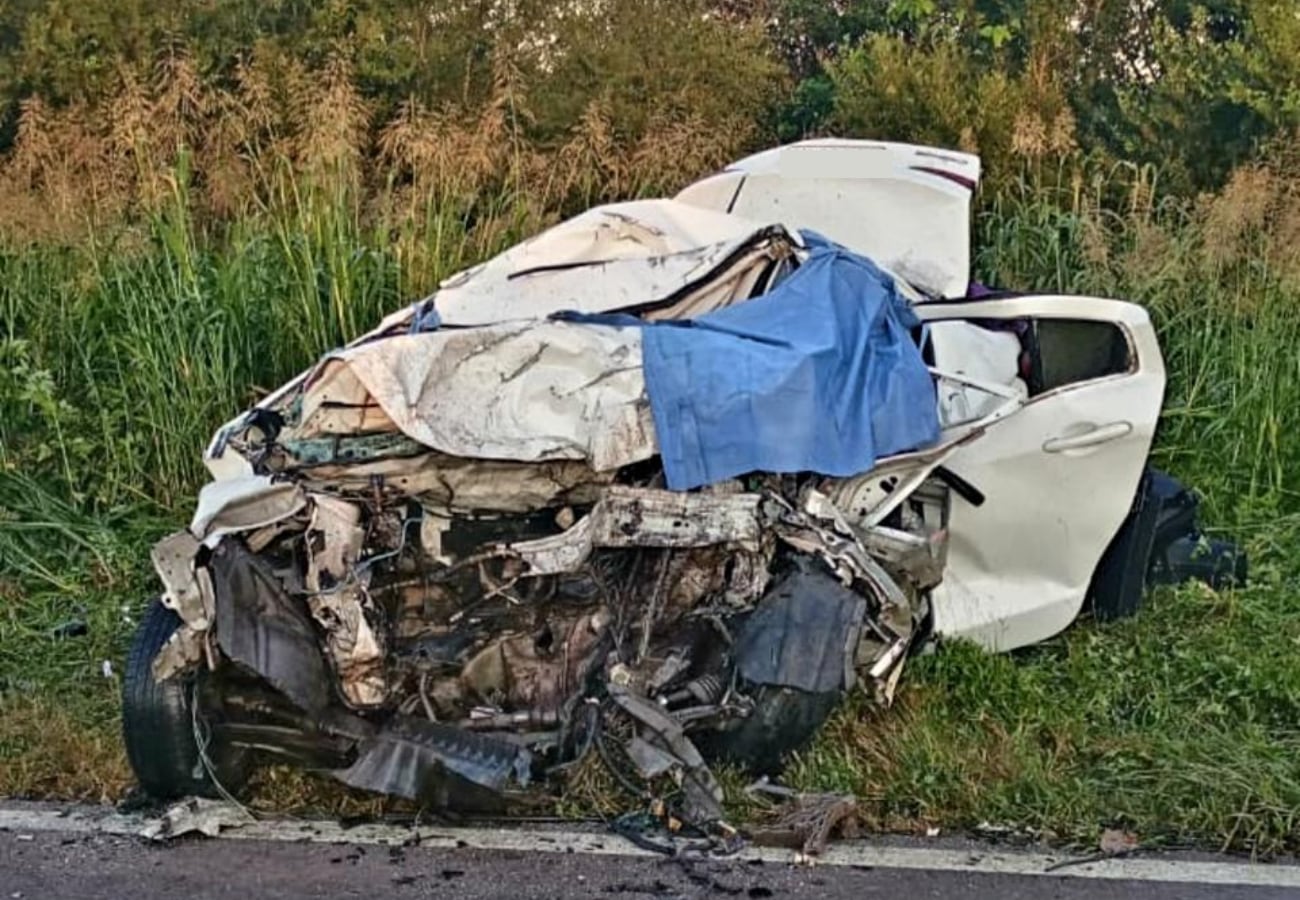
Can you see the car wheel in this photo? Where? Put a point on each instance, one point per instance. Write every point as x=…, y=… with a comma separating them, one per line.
x=158, y=722
x=783, y=720
x=790, y=656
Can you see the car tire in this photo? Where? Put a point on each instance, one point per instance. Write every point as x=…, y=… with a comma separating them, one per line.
x=158, y=722
x=783, y=720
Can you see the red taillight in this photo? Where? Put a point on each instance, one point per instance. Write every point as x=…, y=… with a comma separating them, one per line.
x=967, y=183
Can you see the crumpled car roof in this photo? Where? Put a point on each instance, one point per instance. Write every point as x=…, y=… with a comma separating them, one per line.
x=618, y=256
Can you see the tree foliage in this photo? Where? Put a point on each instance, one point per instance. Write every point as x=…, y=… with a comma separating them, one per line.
x=1194, y=86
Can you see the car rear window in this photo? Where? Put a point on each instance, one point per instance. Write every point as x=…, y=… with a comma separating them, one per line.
x=1068, y=351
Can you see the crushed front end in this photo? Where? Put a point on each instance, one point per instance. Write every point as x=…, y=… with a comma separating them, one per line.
x=455, y=657
x=448, y=563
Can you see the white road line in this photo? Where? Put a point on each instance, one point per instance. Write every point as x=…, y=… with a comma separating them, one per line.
x=846, y=853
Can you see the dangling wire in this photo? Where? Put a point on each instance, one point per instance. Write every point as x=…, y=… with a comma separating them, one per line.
x=202, y=740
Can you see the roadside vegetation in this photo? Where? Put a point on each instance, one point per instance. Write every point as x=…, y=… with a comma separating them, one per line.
x=214, y=196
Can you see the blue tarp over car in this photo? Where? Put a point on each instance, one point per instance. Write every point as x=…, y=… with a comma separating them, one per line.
x=819, y=374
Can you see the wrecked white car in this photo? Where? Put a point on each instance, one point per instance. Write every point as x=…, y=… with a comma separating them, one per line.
x=660, y=484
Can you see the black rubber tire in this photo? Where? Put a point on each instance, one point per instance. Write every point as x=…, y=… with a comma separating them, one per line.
x=158, y=722
x=784, y=720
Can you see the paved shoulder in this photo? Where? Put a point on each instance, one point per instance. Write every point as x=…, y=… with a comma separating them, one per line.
x=85, y=856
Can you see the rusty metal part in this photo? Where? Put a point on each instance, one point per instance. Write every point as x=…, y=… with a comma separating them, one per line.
x=462, y=632
x=337, y=598
x=645, y=518
x=539, y=670
x=808, y=821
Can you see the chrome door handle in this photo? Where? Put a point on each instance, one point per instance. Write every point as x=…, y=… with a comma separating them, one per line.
x=1101, y=434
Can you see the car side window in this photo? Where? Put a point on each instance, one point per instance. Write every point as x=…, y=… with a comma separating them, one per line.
x=1069, y=351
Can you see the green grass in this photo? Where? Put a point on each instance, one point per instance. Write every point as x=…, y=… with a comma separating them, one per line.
x=1180, y=725
x=117, y=361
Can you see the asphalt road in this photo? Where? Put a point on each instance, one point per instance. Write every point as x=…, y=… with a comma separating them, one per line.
x=51, y=864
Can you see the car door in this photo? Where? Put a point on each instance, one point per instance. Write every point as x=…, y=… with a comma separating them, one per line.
x=1056, y=478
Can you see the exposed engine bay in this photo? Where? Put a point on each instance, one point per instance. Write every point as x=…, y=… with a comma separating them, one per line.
x=471, y=655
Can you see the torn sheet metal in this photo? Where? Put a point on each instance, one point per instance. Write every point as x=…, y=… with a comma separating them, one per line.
x=867, y=499
x=548, y=391
x=920, y=558
x=183, y=652
x=820, y=530
x=333, y=543
x=686, y=282
x=532, y=646
x=745, y=275
x=617, y=257
x=336, y=596
x=642, y=517
x=438, y=764
x=243, y=504
x=187, y=591
x=458, y=485
x=197, y=815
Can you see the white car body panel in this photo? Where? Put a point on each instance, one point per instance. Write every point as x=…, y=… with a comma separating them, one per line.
x=906, y=207
x=680, y=258
x=1058, y=477
x=613, y=257
x=558, y=391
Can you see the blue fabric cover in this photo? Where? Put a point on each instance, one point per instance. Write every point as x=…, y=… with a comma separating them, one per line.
x=820, y=374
